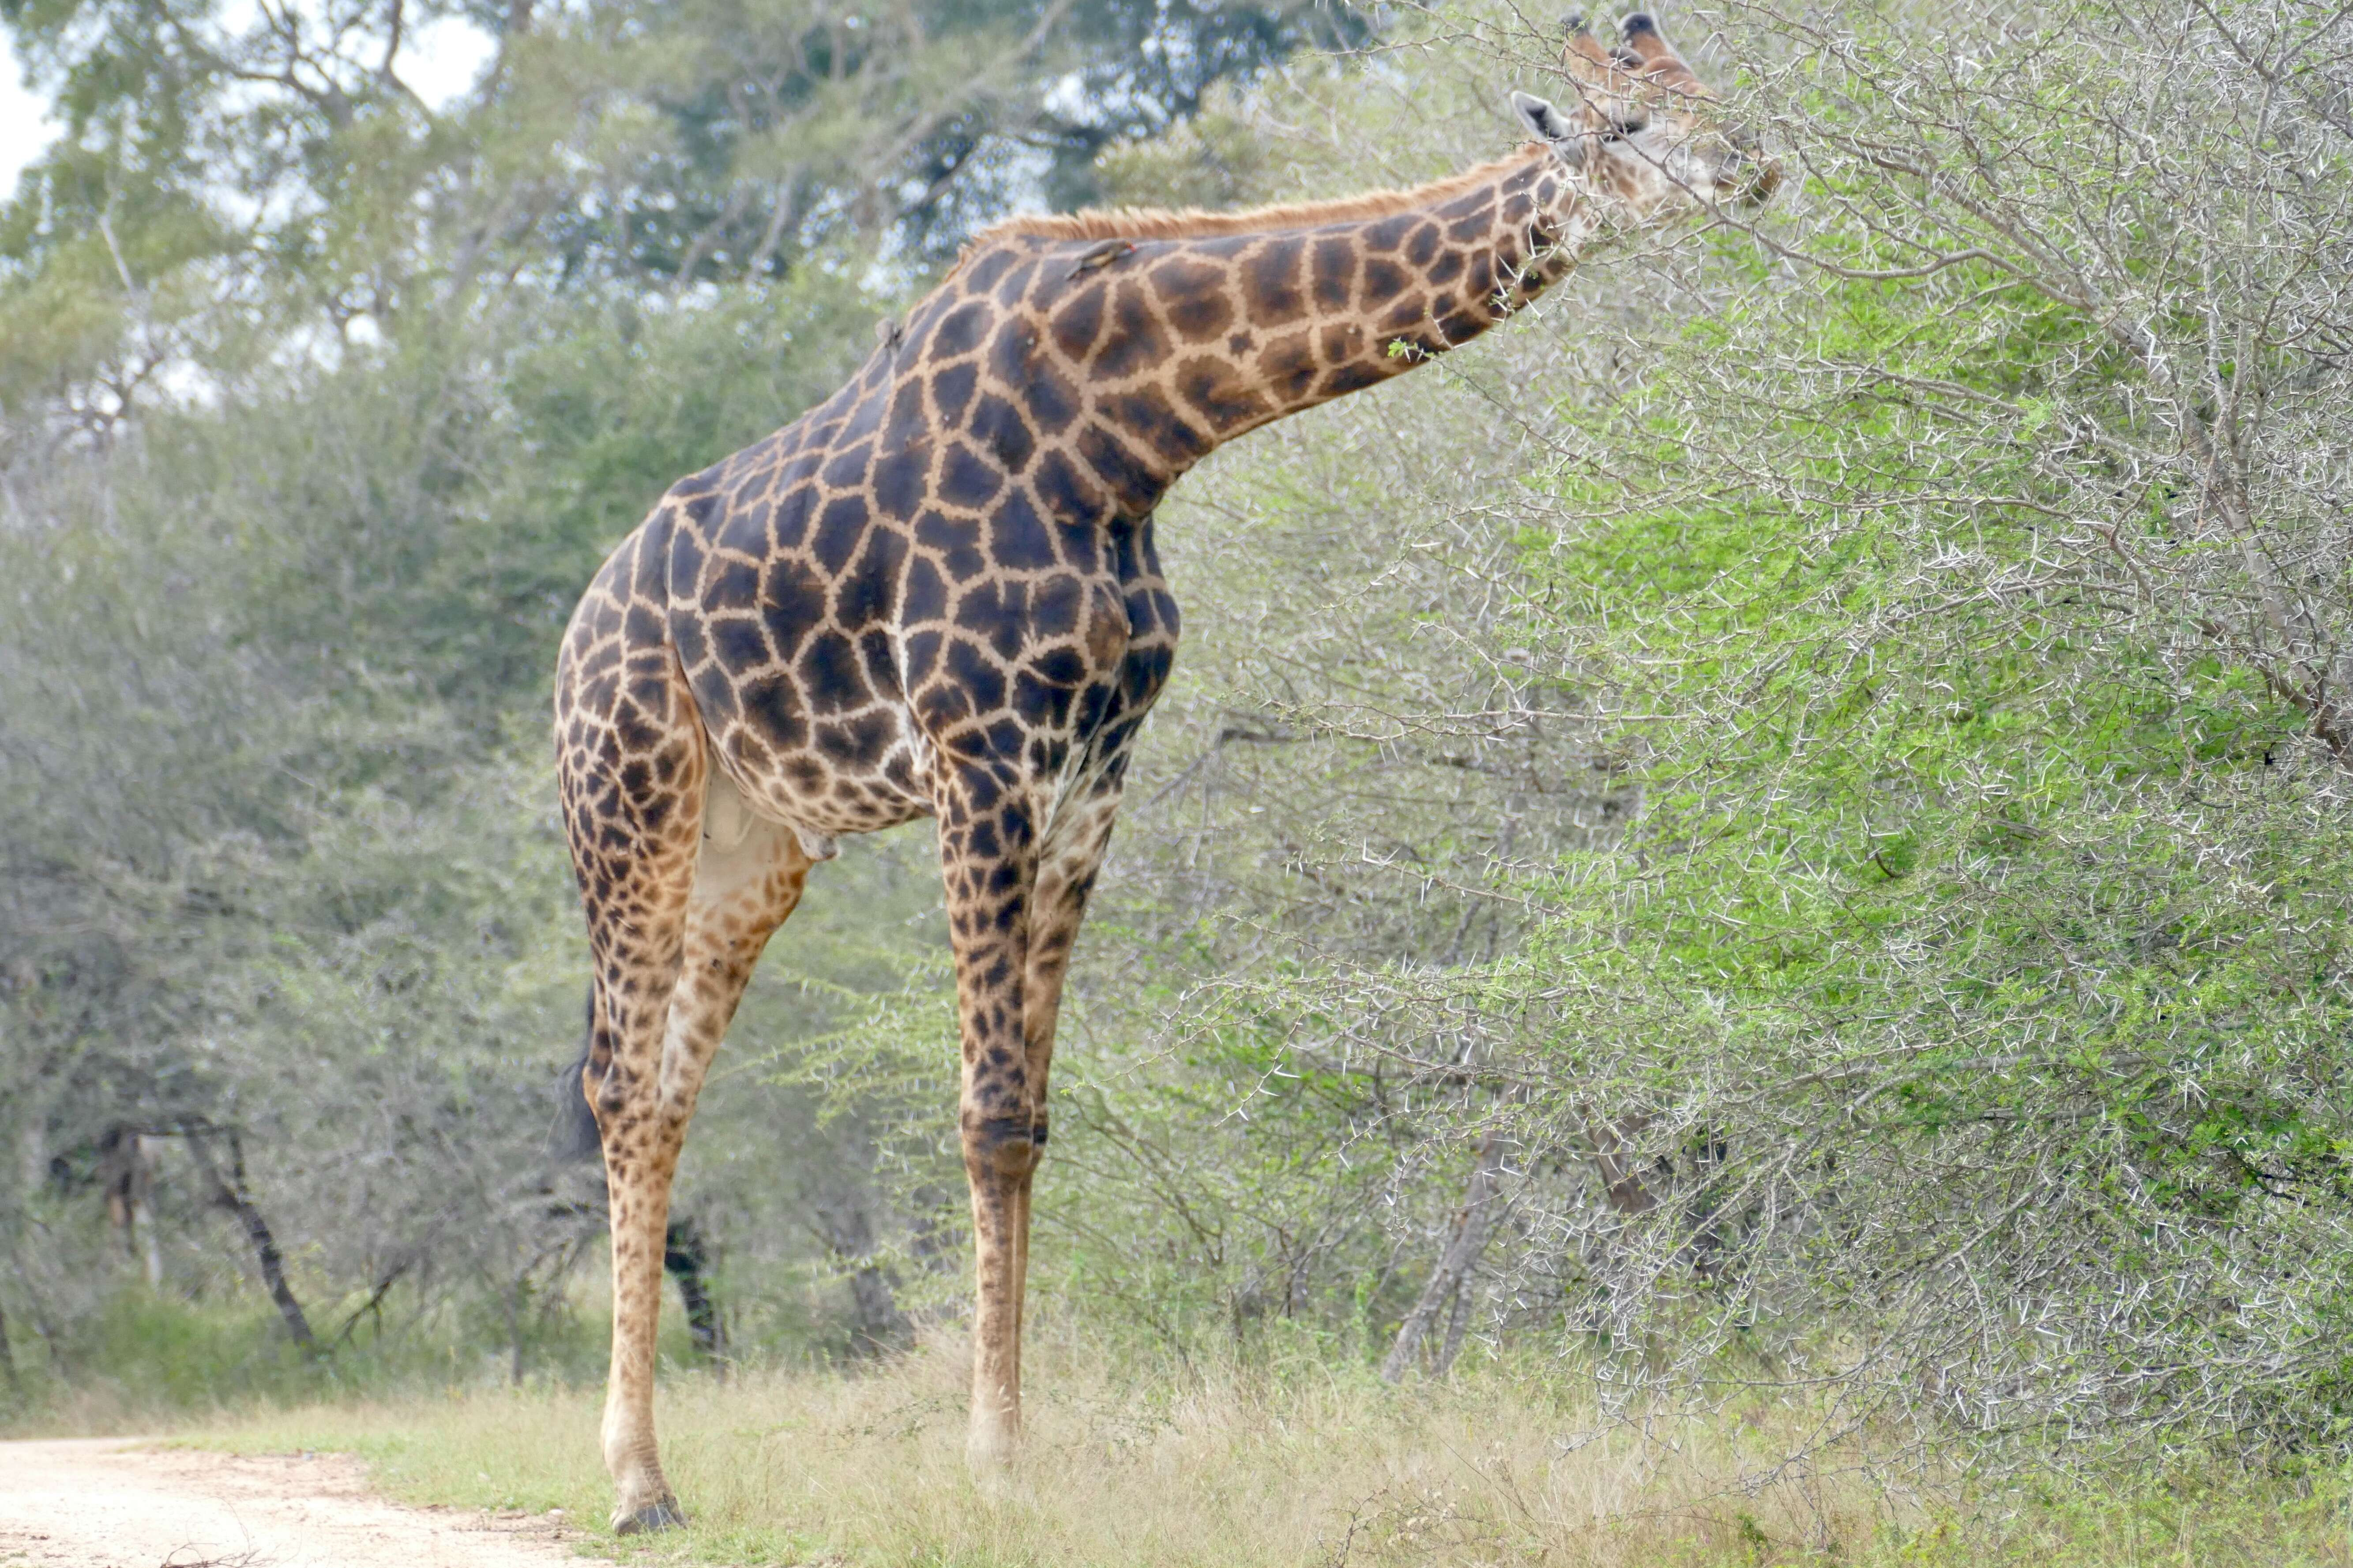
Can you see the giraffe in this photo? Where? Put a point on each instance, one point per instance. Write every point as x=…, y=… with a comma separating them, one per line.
x=937, y=595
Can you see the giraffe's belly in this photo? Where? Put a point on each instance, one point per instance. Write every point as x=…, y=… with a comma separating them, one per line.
x=861, y=774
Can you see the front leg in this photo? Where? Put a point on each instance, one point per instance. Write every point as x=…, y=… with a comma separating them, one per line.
x=988, y=864
x=1068, y=861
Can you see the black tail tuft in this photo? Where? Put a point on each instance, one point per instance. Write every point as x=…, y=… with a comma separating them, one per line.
x=572, y=1137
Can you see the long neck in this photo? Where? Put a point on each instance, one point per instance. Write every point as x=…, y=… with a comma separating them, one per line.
x=1332, y=311
x=1186, y=342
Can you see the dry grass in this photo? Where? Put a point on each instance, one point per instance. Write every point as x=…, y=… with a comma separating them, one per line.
x=1237, y=1469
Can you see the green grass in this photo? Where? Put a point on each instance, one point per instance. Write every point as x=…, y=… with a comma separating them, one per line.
x=147, y=1361
x=1303, y=1466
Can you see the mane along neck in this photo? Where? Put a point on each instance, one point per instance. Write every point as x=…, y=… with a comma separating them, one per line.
x=1192, y=222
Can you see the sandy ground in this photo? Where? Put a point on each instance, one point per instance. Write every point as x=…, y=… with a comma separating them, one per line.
x=101, y=1503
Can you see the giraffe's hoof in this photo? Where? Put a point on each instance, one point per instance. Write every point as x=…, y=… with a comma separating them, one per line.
x=663, y=1514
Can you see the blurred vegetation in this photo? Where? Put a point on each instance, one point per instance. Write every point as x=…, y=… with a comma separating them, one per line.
x=1818, y=760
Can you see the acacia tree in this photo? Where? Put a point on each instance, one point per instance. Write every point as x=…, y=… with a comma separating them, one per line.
x=1930, y=595
x=1998, y=791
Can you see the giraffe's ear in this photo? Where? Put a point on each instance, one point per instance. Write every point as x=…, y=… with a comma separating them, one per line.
x=1549, y=125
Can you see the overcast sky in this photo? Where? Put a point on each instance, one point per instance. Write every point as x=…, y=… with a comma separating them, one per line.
x=24, y=130
x=441, y=60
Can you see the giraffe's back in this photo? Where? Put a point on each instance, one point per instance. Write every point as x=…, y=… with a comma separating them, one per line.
x=925, y=566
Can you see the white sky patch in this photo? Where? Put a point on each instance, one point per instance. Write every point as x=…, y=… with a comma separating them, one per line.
x=444, y=58
x=25, y=128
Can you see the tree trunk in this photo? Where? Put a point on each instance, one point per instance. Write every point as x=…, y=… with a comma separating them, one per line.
x=1617, y=1165
x=847, y=1230
x=126, y=1171
x=230, y=1195
x=1458, y=1327
x=150, y=1245
x=1450, y=1281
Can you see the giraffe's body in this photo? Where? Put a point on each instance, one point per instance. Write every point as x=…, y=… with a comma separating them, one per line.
x=937, y=595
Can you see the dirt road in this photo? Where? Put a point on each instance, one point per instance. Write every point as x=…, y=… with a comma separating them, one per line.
x=100, y=1503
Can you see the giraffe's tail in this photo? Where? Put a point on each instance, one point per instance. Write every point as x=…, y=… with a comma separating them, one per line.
x=571, y=1136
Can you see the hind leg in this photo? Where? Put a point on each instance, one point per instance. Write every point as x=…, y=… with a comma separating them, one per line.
x=747, y=879
x=683, y=888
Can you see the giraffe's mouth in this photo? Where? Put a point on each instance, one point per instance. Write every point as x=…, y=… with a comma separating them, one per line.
x=1747, y=177
x=1762, y=178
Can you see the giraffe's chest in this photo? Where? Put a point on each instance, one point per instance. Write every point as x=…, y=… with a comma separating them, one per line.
x=1044, y=674
x=836, y=685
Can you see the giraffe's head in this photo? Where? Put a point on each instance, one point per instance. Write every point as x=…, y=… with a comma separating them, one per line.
x=1642, y=136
